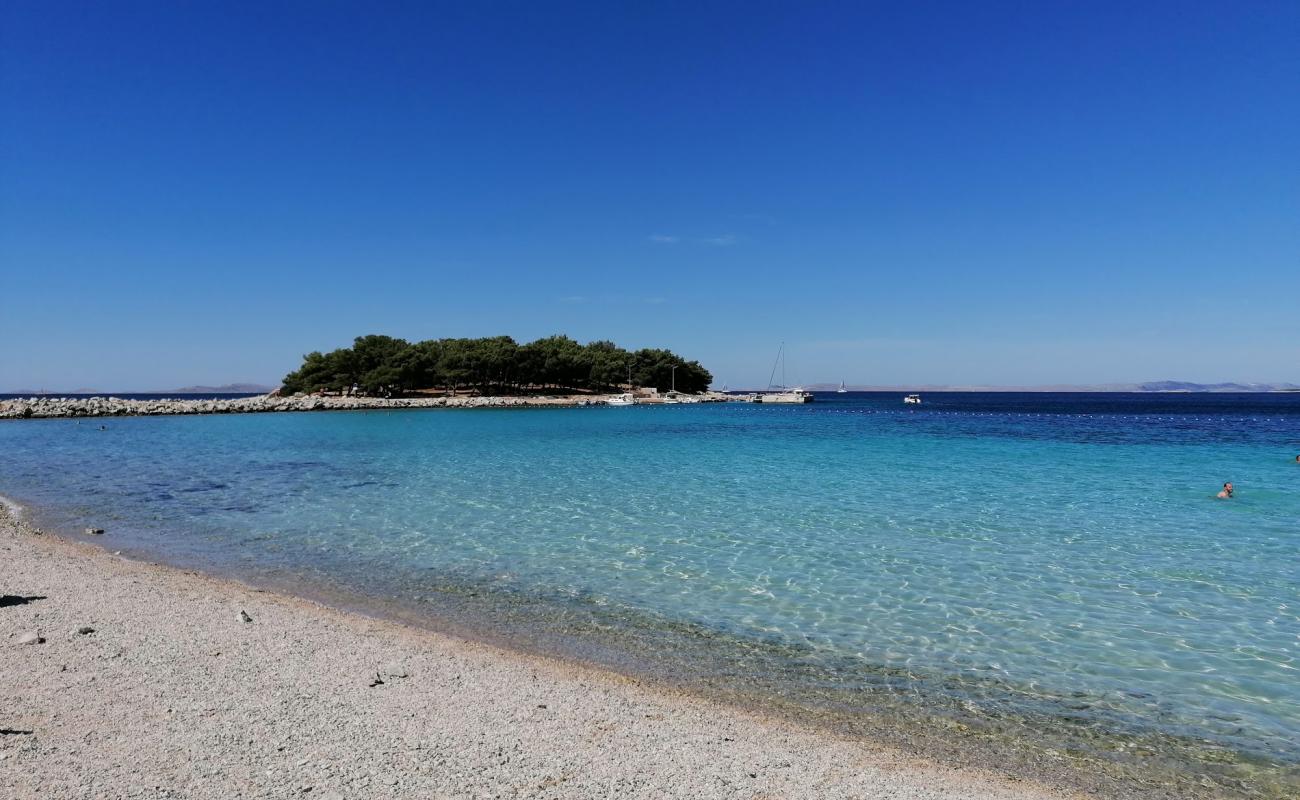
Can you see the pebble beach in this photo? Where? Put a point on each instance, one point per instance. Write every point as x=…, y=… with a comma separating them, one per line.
x=131, y=679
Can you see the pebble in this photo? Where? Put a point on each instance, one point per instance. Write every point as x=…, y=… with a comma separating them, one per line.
x=394, y=669
x=31, y=637
x=243, y=617
x=85, y=629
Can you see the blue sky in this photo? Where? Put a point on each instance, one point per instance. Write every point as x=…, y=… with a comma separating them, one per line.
x=998, y=193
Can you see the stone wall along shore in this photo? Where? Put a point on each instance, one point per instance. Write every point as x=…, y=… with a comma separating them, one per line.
x=51, y=407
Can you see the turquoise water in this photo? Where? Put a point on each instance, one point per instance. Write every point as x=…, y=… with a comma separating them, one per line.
x=1001, y=557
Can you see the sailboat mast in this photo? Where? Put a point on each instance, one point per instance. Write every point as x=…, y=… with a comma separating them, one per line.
x=778, y=360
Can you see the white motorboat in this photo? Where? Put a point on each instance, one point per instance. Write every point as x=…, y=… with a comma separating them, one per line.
x=914, y=399
x=625, y=399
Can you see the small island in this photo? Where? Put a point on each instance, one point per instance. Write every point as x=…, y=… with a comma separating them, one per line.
x=379, y=372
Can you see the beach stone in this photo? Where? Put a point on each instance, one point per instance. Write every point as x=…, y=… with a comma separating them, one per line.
x=85, y=629
x=94, y=531
x=394, y=669
x=31, y=637
x=243, y=617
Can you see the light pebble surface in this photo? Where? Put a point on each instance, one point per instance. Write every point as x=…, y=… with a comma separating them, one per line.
x=55, y=407
x=173, y=695
x=60, y=407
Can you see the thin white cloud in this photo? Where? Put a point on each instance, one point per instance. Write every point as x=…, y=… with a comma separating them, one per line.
x=721, y=240
x=725, y=240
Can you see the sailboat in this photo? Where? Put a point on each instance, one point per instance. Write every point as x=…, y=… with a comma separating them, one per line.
x=843, y=389
x=783, y=394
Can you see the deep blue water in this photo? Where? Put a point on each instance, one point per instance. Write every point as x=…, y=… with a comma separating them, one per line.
x=1010, y=556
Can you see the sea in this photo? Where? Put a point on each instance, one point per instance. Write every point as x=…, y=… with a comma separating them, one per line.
x=1042, y=581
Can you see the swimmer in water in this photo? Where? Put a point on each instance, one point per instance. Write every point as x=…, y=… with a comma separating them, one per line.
x=1226, y=492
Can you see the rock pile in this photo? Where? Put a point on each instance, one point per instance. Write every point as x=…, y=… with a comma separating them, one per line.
x=47, y=407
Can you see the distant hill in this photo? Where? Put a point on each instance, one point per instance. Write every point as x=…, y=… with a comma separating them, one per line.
x=1185, y=386
x=39, y=392
x=1151, y=386
x=229, y=388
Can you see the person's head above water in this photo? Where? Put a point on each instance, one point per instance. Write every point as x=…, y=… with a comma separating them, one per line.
x=1227, y=490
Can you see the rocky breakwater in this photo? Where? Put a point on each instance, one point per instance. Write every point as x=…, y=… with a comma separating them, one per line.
x=53, y=407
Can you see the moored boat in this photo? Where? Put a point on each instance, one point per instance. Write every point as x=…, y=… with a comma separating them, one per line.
x=795, y=395
x=782, y=393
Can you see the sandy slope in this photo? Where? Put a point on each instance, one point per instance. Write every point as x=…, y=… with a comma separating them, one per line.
x=173, y=695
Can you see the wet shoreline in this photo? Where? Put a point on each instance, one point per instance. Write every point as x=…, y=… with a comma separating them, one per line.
x=926, y=714
x=271, y=694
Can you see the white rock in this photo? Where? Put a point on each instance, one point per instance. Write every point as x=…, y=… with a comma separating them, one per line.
x=394, y=669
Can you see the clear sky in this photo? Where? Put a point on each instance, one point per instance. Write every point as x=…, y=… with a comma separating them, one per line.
x=904, y=192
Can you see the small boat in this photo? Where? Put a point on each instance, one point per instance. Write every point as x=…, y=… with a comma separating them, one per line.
x=782, y=394
x=843, y=389
x=795, y=395
x=625, y=399
x=913, y=398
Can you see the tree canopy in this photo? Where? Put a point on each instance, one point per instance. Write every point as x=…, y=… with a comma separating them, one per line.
x=493, y=365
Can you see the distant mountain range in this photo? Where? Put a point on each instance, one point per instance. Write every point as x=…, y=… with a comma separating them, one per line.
x=229, y=388
x=1151, y=386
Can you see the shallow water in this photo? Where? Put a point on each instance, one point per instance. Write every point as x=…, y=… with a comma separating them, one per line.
x=1049, y=565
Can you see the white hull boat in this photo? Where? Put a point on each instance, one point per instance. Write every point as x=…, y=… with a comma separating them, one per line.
x=782, y=394
x=786, y=396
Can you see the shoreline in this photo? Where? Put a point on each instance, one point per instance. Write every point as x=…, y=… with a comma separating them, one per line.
x=173, y=690
x=42, y=407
